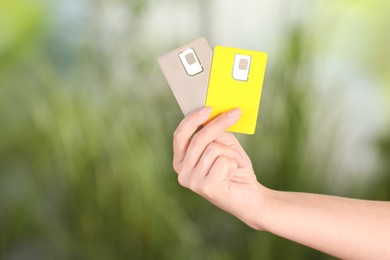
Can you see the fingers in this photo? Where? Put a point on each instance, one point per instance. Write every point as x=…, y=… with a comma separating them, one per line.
x=185, y=130
x=219, y=176
x=208, y=134
x=222, y=170
x=229, y=139
x=192, y=178
x=212, y=152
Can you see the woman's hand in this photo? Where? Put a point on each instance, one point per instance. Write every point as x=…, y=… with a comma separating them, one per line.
x=212, y=163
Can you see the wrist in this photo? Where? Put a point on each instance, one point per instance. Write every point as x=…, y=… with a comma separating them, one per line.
x=266, y=209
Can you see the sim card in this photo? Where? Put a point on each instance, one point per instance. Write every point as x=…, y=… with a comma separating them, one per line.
x=187, y=71
x=236, y=80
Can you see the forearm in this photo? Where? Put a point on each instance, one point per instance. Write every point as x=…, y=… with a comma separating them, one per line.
x=346, y=228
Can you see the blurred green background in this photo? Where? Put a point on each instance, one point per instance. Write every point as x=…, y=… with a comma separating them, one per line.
x=86, y=122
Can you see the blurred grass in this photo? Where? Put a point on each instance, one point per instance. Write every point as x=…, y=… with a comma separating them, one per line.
x=83, y=172
x=85, y=148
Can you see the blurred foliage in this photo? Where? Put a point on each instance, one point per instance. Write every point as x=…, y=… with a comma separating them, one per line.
x=85, y=148
x=20, y=22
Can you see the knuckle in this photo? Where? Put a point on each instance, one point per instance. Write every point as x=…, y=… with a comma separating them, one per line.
x=215, y=148
x=222, y=160
x=176, y=167
x=182, y=180
x=233, y=163
x=177, y=134
x=212, y=148
x=194, y=186
x=206, y=191
x=197, y=139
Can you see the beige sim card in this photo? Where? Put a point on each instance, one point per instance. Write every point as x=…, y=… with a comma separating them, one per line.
x=187, y=70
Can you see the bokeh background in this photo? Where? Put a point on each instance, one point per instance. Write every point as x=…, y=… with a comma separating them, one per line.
x=86, y=122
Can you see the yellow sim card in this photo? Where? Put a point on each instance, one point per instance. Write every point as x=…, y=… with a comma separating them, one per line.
x=236, y=80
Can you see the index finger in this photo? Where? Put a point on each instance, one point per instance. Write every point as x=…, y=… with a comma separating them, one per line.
x=186, y=128
x=209, y=133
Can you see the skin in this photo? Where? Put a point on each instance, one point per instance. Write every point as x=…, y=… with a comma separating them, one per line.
x=212, y=163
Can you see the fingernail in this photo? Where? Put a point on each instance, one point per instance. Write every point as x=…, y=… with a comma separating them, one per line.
x=205, y=111
x=234, y=113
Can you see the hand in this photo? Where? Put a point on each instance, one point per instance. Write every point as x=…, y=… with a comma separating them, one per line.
x=213, y=164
